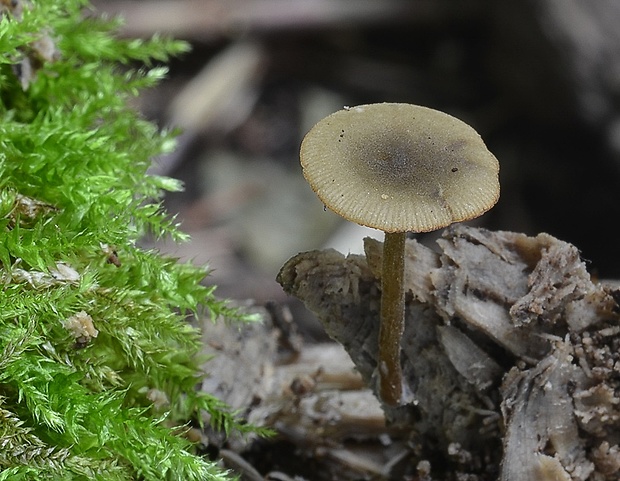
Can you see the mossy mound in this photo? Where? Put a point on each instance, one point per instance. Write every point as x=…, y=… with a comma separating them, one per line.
x=97, y=360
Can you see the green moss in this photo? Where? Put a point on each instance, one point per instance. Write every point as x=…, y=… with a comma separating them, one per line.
x=92, y=327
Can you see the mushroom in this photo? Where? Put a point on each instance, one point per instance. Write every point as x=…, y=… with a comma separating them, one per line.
x=398, y=168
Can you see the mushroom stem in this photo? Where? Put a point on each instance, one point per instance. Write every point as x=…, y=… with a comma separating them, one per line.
x=392, y=317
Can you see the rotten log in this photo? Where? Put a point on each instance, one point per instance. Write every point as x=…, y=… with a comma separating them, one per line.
x=511, y=352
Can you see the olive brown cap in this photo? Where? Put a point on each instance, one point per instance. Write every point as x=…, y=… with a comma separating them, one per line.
x=400, y=167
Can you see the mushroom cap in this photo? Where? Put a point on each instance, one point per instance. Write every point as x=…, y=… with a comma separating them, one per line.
x=400, y=167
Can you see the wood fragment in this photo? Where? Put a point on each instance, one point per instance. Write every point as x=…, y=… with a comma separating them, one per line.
x=314, y=399
x=542, y=441
x=511, y=352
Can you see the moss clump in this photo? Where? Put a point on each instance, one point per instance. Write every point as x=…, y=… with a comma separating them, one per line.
x=97, y=361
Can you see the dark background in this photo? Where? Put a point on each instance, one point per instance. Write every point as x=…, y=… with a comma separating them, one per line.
x=539, y=80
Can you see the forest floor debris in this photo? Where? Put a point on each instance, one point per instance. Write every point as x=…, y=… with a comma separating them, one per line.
x=510, y=353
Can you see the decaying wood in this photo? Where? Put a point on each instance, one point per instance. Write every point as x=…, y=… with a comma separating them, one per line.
x=511, y=352
x=310, y=395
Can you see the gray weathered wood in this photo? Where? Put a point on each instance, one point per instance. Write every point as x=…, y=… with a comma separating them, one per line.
x=511, y=352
